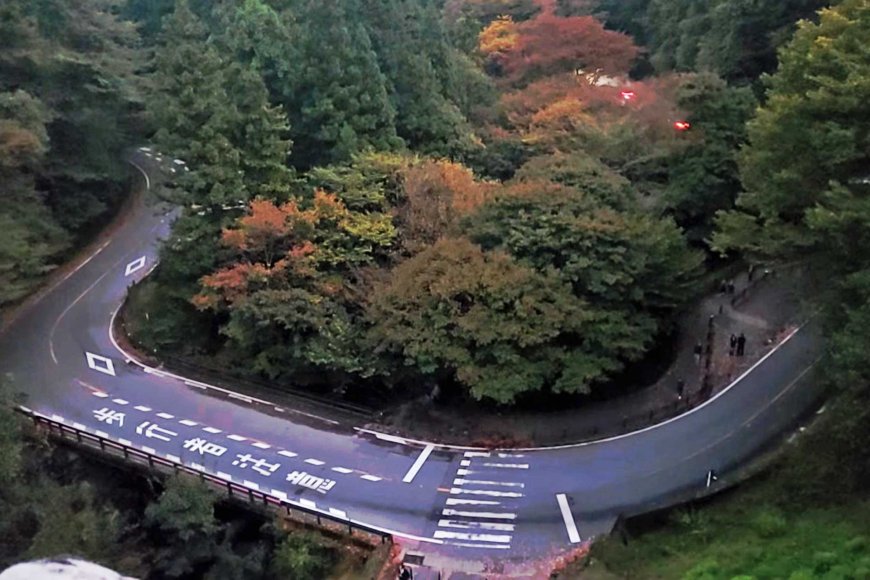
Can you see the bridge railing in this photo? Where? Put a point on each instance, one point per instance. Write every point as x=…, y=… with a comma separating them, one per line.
x=234, y=490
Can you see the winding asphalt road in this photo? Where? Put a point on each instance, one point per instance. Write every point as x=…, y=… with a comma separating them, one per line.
x=510, y=505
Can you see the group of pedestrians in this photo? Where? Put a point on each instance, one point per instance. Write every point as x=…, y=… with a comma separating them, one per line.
x=737, y=345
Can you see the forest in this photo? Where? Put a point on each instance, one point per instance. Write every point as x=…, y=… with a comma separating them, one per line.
x=500, y=198
x=484, y=198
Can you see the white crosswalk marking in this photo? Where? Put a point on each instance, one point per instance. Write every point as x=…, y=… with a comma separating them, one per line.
x=441, y=534
x=480, y=510
x=488, y=515
x=463, y=525
x=460, y=481
x=459, y=501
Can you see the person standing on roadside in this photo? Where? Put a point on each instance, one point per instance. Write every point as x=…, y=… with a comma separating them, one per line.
x=698, y=350
x=741, y=344
x=732, y=345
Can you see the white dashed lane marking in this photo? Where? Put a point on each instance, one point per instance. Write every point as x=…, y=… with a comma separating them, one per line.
x=188, y=423
x=261, y=445
x=487, y=515
x=287, y=453
x=464, y=525
x=370, y=477
x=342, y=470
x=236, y=437
x=120, y=401
x=314, y=462
x=165, y=416
x=211, y=430
x=100, y=394
x=142, y=408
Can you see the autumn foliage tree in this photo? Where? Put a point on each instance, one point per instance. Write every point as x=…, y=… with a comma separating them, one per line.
x=549, y=44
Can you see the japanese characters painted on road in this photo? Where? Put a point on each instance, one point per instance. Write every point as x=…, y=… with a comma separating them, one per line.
x=202, y=446
x=109, y=417
x=261, y=466
x=154, y=431
x=310, y=481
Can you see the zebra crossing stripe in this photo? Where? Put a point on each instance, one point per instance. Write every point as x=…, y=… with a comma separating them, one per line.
x=442, y=534
x=460, y=481
x=487, y=515
x=508, y=465
x=461, y=525
x=458, y=501
x=487, y=492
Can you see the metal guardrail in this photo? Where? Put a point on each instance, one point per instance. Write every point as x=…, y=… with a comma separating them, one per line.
x=325, y=520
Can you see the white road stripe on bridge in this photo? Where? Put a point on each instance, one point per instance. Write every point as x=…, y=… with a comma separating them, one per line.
x=441, y=534
x=421, y=459
x=487, y=515
x=461, y=481
x=463, y=525
x=568, y=517
x=508, y=465
x=458, y=501
x=459, y=490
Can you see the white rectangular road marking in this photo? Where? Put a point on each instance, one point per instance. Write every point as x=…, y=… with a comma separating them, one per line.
x=251, y=484
x=457, y=501
x=165, y=416
x=510, y=455
x=188, y=423
x=211, y=430
x=57, y=418
x=462, y=525
x=314, y=461
x=79, y=426
x=143, y=408
x=261, y=445
x=279, y=494
x=370, y=477
x=236, y=437
x=342, y=470
x=126, y=442
x=149, y=450
x=120, y=401
x=174, y=458
x=441, y=535
x=460, y=481
x=421, y=459
x=490, y=546
x=458, y=490
x=223, y=475
x=307, y=503
x=477, y=454
x=464, y=463
x=508, y=465
x=573, y=535
x=102, y=434
x=338, y=513
x=100, y=394
x=286, y=453
x=488, y=515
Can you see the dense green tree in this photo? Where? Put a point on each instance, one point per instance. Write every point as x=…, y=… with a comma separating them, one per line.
x=736, y=39
x=216, y=116
x=340, y=104
x=702, y=177
x=411, y=55
x=499, y=328
x=584, y=172
x=301, y=557
x=183, y=524
x=805, y=169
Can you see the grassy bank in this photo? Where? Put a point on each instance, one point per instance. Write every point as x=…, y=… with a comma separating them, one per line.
x=806, y=517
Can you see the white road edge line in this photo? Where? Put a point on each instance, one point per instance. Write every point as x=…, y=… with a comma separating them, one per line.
x=568, y=517
x=421, y=459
